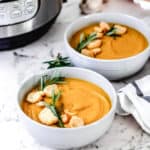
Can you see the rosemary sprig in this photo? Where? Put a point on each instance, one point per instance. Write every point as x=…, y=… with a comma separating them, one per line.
x=58, y=62
x=52, y=107
x=53, y=79
x=56, y=80
x=112, y=32
x=43, y=82
x=82, y=37
x=55, y=97
x=84, y=41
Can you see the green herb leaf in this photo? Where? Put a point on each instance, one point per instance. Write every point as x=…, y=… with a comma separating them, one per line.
x=82, y=37
x=52, y=107
x=43, y=82
x=56, y=80
x=48, y=80
x=85, y=41
x=58, y=62
x=112, y=32
x=55, y=97
x=55, y=112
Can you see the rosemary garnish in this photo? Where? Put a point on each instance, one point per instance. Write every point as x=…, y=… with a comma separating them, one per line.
x=48, y=80
x=56, y=80
x=82, y=37
x=43, y=82
x=52, y=107
x=58, y=62
x=84, y=41
x=112, y=32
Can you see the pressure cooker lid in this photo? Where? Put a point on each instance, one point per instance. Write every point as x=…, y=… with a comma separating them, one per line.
x=17, y=11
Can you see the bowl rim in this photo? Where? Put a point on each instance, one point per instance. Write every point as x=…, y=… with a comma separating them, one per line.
x=91, y=125
x=106, y=60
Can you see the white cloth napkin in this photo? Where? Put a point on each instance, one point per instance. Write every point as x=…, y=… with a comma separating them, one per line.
x=134, y=99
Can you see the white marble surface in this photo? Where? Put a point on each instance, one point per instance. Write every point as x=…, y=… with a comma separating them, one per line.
x=124, y=134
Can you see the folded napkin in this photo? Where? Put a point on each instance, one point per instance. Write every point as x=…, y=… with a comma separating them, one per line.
x=134, y=99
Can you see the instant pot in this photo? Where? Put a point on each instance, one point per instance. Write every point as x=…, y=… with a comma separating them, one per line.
x=23, y=21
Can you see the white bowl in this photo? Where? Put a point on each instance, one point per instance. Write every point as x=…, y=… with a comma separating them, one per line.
x=112, y=69
x=65, y=138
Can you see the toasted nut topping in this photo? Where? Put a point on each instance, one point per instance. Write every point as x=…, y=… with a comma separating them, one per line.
x=34, y=97
x=87, y=53
x=98, y=29
x=104, y=26
x=66, y=111
x=47, y=117
x=49, y=89
x=96, y=51
x=120, y=29
x=99, y=35
x=94, y=44
x=76, y=121
x=40, y=104
x=65, y=118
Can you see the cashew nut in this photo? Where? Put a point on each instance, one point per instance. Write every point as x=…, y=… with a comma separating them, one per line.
x=96, y=51
x=104, y=26
x=98, y=29
x=47, y=117
x=65, y=118
x=76, y=121
x=87, y=53
x=94, y=44
x=120, y=29
x=35, y=96
x=49, y=89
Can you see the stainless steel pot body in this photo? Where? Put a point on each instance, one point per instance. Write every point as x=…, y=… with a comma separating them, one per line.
x=45, y=11
x=23, y=21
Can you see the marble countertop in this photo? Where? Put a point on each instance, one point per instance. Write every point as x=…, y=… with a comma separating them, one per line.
x=125, y=134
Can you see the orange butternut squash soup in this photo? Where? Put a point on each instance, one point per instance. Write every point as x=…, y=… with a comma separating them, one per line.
x=108, y=41
x=66, y=102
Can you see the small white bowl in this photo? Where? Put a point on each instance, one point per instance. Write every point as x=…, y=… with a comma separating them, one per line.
x=65, y=138
x=112, y=69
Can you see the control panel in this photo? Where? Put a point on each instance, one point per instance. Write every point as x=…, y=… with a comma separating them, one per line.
x=17, y=11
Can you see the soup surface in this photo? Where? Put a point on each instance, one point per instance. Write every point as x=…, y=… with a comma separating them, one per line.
x=81, y=100
x=123, y=45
